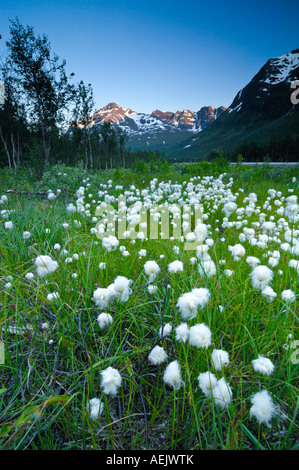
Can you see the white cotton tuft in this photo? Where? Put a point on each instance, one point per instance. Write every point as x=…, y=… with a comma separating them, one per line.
x=261, y=276
x=269, y=294
x=207, y=267
x=182, y=332
x=288, y=295
x=45, y=265
x=188, y=304
x=122, y=288
x=175, y=267
x=207, y=381
x=104, y=320
x=238, y=251
x=220, y=358
x=203, y=296
x=201, y=232
x=95, y=408
x=200, y=336
x=151, y=269
x=263, y=365
x=111, y=381
x=102, y=297
x=222, y=393
x=157, y=355
x=172, y=375
x=165, y=330
x=263, y=408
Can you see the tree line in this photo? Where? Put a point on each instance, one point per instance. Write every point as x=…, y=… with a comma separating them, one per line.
x=45, y=116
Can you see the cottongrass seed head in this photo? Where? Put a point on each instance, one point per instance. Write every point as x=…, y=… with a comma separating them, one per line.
x=200, y=336
x=263, y=365
x=172, y=375
x=220, y=358
x=45, y=265
x=182, y=332
x=261, y=276
x=157, y=355
x=151, y=269
x=222, y=393
x=111, y=381
x=104, y=320
x=203, y=295
x=207, y=381
x=188, y=304
x=95, y=408
x=263, y=408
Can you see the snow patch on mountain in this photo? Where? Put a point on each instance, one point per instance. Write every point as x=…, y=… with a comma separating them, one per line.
x=282, y=68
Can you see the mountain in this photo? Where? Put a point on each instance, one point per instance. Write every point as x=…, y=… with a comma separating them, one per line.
x=260, y=111
x=160, y=130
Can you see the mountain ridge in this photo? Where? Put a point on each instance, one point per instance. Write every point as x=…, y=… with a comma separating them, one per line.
x=260, y=111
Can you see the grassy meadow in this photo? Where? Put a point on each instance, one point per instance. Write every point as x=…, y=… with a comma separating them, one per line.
x=129, y=342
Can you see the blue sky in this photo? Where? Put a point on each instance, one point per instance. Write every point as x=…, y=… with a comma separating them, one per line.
x=170, y=55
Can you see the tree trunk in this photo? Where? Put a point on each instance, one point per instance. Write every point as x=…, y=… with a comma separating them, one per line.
x=6, y=149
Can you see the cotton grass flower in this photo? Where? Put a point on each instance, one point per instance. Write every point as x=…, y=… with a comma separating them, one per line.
x=111, y=381
x=29, y=276
x=8, y=225
x=157, y=355
x=203, y=296
x=95, y=408
x=200, y=336
x=122, y=288
x=110, y=243
x=175, y=267
x=202, y=252
x=238, y=251
x=253, y=261
x=152, y=289
x=222, y=393
x=151, y=269
x=53, y=296
x=220, y=359
x=172, y=375
x=188, y=304
x=104, y=320
x=263, y=408
x=201, y=232
x=207, y=268
x=263, y=365
x=45, y=265
x=26, y=235
x=182, y=332
x=229, y=208
x=261, y=276
x=288, y=295
x=101, y=297
x=228, y=272
x=165, y=330
x=269, y=293
x=207, y=381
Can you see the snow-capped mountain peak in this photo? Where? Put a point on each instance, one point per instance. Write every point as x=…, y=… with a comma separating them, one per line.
x=281, y=68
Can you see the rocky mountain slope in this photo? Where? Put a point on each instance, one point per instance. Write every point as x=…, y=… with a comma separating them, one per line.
x=261, y=110
x=158, y=130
